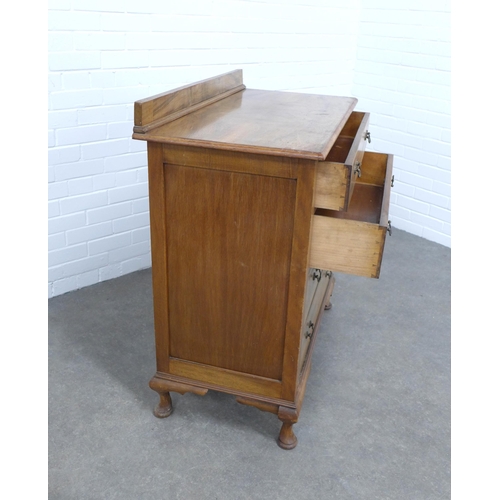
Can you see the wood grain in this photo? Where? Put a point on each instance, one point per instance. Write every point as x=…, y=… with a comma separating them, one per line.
x=232, y=161
x=169, y=106
x=298, y=272
x=259, y=121
x=365, y=206
x=158, y=252
x=229, y=239
x=347, y=246
x=236, y=382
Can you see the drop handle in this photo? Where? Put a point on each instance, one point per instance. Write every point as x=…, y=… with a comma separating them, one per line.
x=357, y=168
x=392, y=182
x=310, y=329
x=389, y=228
x=368, y=137
x=317, y=275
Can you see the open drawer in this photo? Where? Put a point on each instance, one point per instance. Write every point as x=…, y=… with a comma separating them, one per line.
x=353, y=242
x=336, y=176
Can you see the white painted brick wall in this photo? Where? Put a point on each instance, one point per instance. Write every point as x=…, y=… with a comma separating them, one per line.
x=106, y=54
x=402, y=76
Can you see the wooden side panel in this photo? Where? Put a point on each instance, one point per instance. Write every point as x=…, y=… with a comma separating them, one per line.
x=259, y=122
x=158, y=252
x=229, y=239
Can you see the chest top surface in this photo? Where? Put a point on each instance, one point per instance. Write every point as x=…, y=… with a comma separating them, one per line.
x=261, y=121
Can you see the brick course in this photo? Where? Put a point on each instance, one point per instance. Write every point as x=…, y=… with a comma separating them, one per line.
x=103, y=55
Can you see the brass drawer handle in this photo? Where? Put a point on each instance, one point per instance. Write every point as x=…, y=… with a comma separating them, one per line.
x=368, y=137
x=389, y=228
x=317, y=275
x=357, y=168
x=310, y=329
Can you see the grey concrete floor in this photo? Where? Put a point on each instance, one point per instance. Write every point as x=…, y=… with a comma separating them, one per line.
x=375, y=422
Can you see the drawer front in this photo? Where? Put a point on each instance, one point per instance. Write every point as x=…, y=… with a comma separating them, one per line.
x=313, y=279
x=353, y=242
x=310, y=319
x=337, y=175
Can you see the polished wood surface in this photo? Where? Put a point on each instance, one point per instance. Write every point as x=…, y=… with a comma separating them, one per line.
x=333, y=181
x=259, y=121
x=241, y=382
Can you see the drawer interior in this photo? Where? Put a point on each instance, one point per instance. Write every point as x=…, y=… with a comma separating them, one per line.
x=365, y=205
x=367, y=199
x=340, y=150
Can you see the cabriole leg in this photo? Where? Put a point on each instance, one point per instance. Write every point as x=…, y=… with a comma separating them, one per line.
x=287, y=439
x=164, y=407
x=163, y=387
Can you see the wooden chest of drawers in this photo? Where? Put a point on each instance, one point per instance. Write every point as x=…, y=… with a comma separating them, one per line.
x=256, y=198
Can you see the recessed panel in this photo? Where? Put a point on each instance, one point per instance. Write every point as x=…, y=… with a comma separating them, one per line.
x=229, y=239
